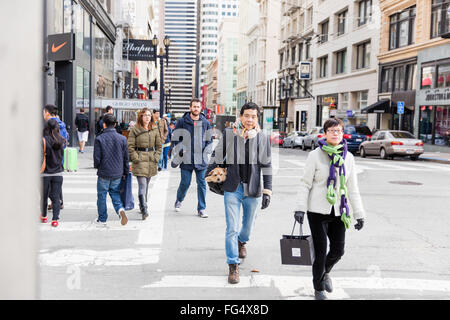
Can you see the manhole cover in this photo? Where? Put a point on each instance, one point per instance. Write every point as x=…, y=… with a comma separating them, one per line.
x=406, y=183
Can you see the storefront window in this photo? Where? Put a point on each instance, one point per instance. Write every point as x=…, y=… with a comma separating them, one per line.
x=104, y=64
x=426, y=124
x=87, y=33
x=428, y=74
x=78, y=25
x=83, y=89
x=443, y=79
x=442, y=131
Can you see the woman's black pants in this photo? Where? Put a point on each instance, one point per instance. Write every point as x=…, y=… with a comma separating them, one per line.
x=323, y=227
x=52, y=188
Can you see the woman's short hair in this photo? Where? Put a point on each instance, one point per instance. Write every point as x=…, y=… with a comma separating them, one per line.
x=333, y=122
x=251, y=106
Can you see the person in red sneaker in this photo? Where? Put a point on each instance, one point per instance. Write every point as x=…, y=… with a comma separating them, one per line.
x=52, y=178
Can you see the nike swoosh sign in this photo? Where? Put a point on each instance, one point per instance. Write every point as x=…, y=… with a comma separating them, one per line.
x=56, y=49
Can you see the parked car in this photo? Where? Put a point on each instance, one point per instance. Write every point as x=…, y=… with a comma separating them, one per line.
x=355, y=135
x=294, y=139
x=391, y=143
x=277, y=138
x=310, y=140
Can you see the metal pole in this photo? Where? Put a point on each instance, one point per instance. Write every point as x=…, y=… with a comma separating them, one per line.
x=161, y=91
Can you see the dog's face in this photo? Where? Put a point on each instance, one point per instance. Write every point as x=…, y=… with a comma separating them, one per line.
x=217, y=175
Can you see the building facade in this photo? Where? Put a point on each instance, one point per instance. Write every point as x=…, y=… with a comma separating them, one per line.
x=180, y=25
x=85, y=71
x=227, y=64
x=415, y=69
x=211, y=14
x=294, y=95
x=345, y=77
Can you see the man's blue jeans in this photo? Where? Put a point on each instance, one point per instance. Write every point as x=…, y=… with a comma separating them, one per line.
x=105, y=186
x=186, y=176
x=233, y=202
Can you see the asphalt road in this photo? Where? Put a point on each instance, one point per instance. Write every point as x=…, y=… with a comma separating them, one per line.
x=401, y=253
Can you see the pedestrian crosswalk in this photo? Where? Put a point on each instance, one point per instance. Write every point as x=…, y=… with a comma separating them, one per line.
x=148, y=234
x=373, y=165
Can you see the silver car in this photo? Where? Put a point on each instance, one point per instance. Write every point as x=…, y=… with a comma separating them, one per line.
x=294, y=139
x=310, y=141
x=390, y=143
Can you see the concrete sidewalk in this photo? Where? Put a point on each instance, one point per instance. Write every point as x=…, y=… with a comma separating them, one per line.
x=441, y=157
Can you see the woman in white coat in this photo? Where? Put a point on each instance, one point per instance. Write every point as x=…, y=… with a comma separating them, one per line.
x=328, y=186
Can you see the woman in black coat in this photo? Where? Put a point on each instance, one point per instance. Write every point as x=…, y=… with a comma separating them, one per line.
x=52, y=178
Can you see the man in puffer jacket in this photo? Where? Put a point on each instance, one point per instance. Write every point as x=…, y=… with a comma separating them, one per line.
x=111, y=160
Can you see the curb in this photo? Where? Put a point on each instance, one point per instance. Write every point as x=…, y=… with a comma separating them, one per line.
x=437, y=160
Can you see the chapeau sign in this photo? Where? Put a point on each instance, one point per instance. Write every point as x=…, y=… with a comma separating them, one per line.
x=138, y=50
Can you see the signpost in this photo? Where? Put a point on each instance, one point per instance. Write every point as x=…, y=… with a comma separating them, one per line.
x=304, y=70
x=400, y=111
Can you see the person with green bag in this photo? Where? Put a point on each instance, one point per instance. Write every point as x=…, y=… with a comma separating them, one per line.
x=329, y=184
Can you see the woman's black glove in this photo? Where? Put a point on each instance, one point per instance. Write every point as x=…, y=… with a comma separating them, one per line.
x=298, y=216
x=360, y=224
x=265, y=201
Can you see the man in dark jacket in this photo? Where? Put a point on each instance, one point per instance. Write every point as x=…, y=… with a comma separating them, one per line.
x=111, y=161
x=192, y=137
x=82, y=124
x=244, y=151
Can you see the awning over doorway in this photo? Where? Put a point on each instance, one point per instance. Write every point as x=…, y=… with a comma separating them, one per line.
x=382, y=106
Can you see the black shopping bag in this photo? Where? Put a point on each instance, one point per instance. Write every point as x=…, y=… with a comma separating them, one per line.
x=297, y=250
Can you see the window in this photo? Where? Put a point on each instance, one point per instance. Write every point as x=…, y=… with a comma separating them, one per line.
x=411, y=72
x=308, y=51
x=386, y=83
x=293, y=55
x=402, y=28
x=363, y=55
x=362, y=99
x=443, y=78
x=323, y=65
x=281, y=60
x=440, y=17
x=323, y=32
x=344, y=101
x=341, y=20
x=365, y=12
x=300, y=51
x=428, y=76
x=341, y=56
x=399, y=78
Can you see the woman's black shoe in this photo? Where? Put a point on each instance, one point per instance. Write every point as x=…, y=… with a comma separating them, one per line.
x=320, y=295
x=326, y=281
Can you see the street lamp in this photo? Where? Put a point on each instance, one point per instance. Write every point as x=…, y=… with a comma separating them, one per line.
x=164, y=54
x=286, y=87
x=168, y=91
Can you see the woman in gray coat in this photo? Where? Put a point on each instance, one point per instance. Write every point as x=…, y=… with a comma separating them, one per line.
x=328, y=186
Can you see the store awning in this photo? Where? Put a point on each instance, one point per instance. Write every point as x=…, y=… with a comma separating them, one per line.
x=382, y=106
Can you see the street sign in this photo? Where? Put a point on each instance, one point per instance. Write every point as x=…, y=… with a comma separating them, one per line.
x=304, y=70
x=400, y=107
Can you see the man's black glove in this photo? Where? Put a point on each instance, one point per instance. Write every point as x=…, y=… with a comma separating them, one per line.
x=298, y=216
x=360, y=224
x=265, y=201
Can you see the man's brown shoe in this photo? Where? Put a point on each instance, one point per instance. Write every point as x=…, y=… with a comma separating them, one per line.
x=242, y=249
x=233, y=276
